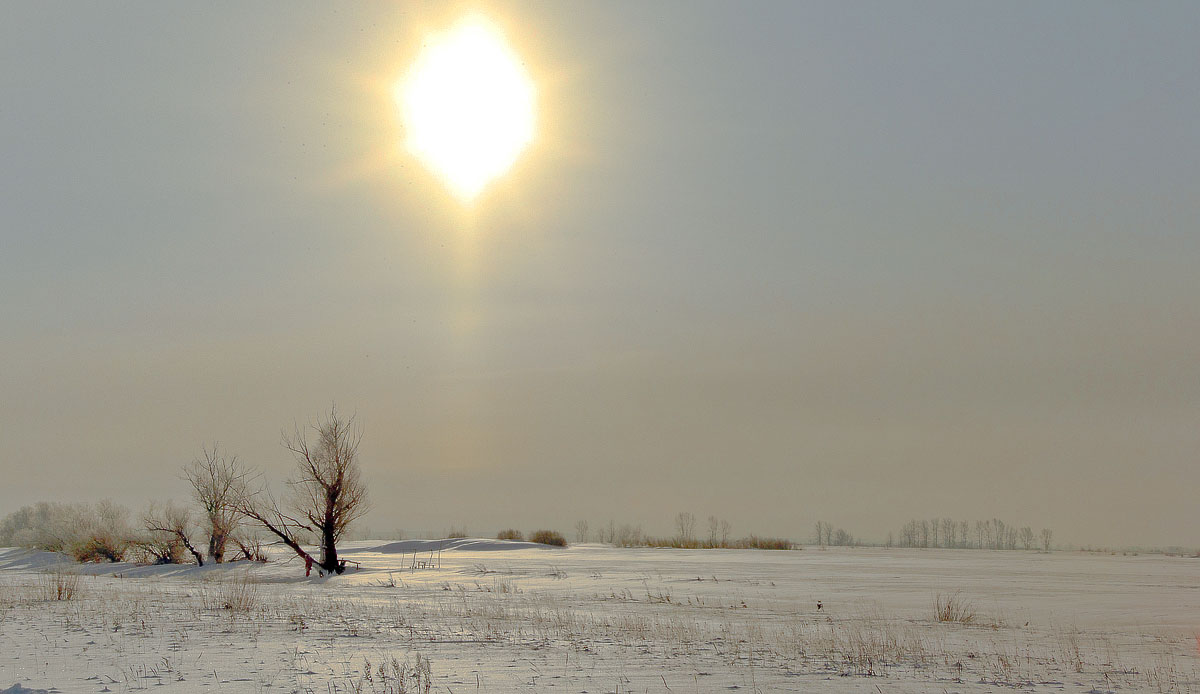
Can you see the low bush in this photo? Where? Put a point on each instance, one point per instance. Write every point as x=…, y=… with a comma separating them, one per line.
x=548, y=537
x=510, y=534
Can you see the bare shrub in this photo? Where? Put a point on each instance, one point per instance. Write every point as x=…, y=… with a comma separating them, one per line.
x=510, y=534
x=548, y=537
x=150, y=548
x=456, y=533
x=249, y=547
x=953, y=608
x=167, y=535
x=104, y=534
x=59, y=585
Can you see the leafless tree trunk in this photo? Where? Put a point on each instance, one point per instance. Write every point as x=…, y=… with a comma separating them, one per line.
x=1047, y=535
x=218, y=485
x=581, y=531
x=327, y=493
x=714, y=526
x=725, y=530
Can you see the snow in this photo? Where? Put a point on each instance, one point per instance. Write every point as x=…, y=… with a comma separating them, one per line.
x=501, y=616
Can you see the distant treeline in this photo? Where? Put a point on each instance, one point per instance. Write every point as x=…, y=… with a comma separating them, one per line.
x=982, y=534
x=716, y=534
x=945, y=533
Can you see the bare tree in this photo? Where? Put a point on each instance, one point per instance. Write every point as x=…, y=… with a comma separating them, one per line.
x=327, y=493
x=1027, y=538
x=714, y=527
x=218, y=485
x=1047, y=536
x=725, y=530
x=167, y=533
x=581, y=531
x=685, y=525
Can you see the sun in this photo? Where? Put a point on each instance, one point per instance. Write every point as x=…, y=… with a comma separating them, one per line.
x=468, y=106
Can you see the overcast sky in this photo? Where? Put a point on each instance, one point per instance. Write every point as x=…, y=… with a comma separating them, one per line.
x=782, y=262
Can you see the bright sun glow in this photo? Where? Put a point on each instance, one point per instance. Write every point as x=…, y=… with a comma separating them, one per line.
x=468, y=106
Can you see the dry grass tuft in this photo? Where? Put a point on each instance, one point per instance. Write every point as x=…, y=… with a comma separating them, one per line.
x=59, y=585
x=239, y=595
x=953, y=608
x=755, y=542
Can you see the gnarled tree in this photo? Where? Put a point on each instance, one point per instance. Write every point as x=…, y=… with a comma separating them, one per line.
x=218, y=485
x=167, y=534
x=326, y=494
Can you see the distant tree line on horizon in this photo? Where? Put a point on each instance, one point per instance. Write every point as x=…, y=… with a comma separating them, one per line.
x=982, y=534
x=716, y=534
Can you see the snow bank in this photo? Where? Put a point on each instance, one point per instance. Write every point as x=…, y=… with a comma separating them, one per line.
x=31, y=560
x=18, y=689
x=457, y=544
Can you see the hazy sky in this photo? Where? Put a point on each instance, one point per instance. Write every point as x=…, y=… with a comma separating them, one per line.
x=775, y=262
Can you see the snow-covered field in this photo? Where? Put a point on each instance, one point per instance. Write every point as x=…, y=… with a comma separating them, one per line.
x=501, y=617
